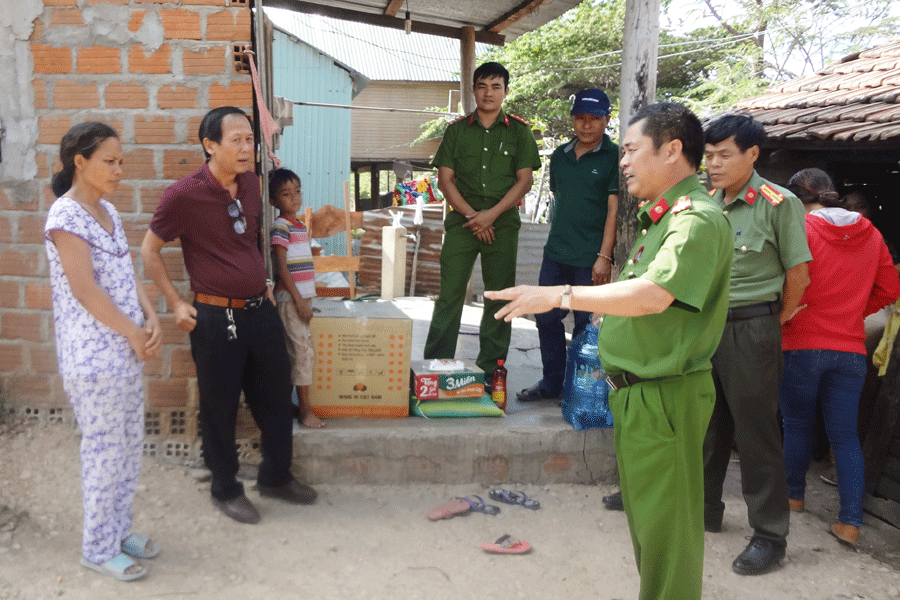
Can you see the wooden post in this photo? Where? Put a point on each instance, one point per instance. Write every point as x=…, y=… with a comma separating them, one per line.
x=637, y=88
x=376, y=187
x=467, y=68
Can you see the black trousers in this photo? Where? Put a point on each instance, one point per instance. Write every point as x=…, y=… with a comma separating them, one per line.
x=747, y=370
x=257, y=363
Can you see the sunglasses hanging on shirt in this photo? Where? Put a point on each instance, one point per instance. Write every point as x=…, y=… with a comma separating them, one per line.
x=236, y=212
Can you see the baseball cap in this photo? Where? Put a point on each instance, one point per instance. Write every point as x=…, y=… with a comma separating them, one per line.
x=591, y=102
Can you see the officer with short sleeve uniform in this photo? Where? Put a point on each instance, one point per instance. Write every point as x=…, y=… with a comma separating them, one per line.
x=480, y=174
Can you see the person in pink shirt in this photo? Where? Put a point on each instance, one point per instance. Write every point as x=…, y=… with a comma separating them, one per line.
x=851, y=276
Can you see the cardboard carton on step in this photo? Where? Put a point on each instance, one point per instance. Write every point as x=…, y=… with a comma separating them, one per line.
x=440, y=380
x=361, y=359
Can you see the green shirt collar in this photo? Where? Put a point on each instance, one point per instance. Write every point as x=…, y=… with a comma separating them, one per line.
x=502, y=118
x=749, y=193
x=605, y=145
x=652, y=212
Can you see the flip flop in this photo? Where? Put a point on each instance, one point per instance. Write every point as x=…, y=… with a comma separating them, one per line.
x=507, y=545
x=480, y=506
x=136, y=545
x=509, y=497
x=115, y=567
x=449, y=509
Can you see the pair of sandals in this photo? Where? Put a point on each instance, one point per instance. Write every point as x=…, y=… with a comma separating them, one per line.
x=461, y=506
x=136, y=546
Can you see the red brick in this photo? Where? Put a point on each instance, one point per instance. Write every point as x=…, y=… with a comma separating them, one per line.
x=156, y=129
x=158, y=63
x=68, y=94
x=60, y=2
x=177, y=96
x=174, y=263
x=180, y=24
x=156, y=367
x=40, y=93
x=167, y=392
x=33, y=390
x=9, y=294
x=178, y=163
x=137, y=19
x=5, y=231
x=51, y=129
x=66, y=16
x=114, y=123
x=135, y=229
x=205, y=2
x=205, y=62
x=139, y=164
x=237, y=93
x=123, y=197
x=17, y=325
x=172, y=334
x=38, y=296
x=229, y=25
x=48, y=59
x=43, y=359
x=37, y=31
x=98, y=59
x=153, y=1
x=23, y=263
x=150, y=197
x=11, y=357
x=193, y=133
x=126, y=95
x=41, y=161
x=182, y=363
x=31, y=229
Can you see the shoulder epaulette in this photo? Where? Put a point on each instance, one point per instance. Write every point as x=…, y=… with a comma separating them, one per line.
x=713, y=191
x=517, y=118
x=458, y=119
x=681, y=204
x=772, y=195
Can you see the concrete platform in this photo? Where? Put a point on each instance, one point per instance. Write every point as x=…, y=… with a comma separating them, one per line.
x=532, y=444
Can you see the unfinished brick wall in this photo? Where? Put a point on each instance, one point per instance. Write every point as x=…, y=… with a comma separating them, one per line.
x=151, y=69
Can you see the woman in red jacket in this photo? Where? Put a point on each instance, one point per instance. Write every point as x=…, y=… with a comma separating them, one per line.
x=851, y=276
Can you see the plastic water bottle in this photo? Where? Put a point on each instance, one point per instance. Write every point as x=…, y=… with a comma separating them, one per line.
x=585, y=401
x=498, y=394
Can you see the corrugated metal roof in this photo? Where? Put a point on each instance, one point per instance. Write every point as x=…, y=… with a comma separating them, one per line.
x=378, y=53
x=855, y=99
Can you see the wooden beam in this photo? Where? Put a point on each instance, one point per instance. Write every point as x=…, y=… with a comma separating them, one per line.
x=519, y=12
x=392, y=7
x=485, y=37
x=467, y=69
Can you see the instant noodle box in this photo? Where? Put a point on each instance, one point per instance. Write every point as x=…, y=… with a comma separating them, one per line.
x=445, y=379
x=361, y=364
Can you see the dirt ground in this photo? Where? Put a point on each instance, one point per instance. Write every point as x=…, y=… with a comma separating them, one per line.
x=372, y=542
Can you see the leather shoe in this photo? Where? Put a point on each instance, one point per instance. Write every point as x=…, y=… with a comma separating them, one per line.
x=240, y=509
x=614, y=501
x=796, y=505
x=293, y=492
x=535, y=393
x=847, y=534
x=760, y=556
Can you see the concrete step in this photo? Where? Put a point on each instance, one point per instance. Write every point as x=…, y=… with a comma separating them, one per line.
x=531, y=446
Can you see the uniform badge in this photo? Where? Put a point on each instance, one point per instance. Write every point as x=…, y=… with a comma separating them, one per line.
x=517, y=118
x=683, y=203
x=658, y=210
x=750, y=196
x=772, y=195
x=638, y=254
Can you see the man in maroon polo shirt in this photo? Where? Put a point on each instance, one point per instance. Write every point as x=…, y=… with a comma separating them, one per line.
x=236, y=335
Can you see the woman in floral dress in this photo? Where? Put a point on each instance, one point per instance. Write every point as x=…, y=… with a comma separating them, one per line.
x=105, y=327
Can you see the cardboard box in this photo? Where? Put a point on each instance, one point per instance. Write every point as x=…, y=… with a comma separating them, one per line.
x=443, y=384
x=362, y=359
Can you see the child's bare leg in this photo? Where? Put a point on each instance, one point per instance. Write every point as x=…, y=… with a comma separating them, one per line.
x=307, y=416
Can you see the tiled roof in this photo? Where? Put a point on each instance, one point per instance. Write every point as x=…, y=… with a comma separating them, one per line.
x=855, y=99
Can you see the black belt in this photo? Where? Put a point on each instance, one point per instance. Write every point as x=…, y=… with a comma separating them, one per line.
x=618, y=382
x=754, y=310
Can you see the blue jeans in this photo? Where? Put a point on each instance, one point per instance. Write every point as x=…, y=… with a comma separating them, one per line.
x=551, y=331
x=836, y=379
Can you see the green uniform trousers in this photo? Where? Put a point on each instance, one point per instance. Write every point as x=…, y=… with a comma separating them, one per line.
x=498, y=268
x=659, y=429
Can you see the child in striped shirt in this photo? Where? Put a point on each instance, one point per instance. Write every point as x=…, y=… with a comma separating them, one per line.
x=293, y=264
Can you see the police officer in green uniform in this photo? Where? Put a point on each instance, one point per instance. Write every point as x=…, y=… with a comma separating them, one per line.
x=485, y=164
x=768, y=278
x=661, y=323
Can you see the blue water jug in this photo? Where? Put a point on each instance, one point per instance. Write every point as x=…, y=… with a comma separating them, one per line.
x=585, y=401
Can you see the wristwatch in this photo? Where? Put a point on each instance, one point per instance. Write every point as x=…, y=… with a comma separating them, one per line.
x=565, y=300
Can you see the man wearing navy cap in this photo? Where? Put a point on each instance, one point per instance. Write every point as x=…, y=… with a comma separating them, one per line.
x=584, y=180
